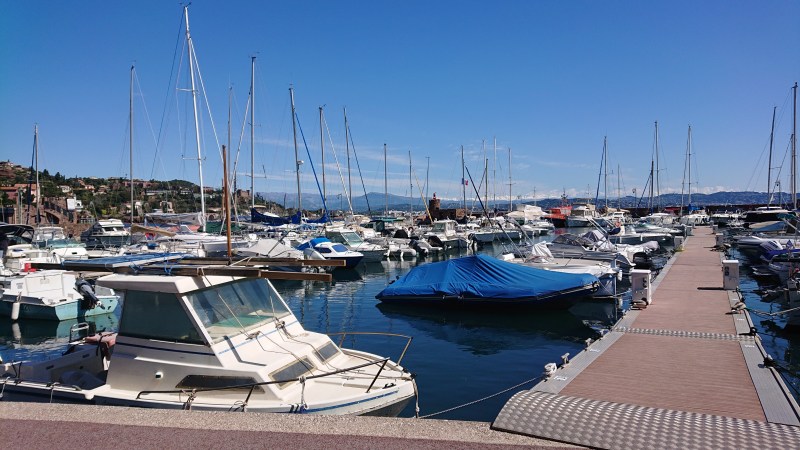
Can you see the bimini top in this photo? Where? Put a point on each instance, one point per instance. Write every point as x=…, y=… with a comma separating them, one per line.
x=482, y=277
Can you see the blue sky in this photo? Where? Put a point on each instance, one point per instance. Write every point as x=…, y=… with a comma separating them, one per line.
x=547, y=79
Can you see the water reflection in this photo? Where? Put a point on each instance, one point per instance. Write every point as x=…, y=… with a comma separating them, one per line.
x=483, y=333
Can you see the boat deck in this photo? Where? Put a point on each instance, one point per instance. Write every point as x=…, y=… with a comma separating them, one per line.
x=684, y=372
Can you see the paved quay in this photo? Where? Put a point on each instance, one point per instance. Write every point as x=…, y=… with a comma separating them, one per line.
x=683, y=373
x=42, y=426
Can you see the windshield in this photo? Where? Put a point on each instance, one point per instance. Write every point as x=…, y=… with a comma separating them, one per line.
x=352, y=237
x=235, y=307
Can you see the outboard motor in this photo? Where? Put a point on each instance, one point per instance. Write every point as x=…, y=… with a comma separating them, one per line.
x=90, y=300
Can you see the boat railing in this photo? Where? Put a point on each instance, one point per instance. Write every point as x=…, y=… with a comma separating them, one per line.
x=52, y=385
x=344, y=335
x=252, y=386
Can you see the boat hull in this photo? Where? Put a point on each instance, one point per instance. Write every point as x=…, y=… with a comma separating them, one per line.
x=61, y=311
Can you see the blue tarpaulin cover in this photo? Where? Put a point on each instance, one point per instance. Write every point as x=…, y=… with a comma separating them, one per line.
x=483, y=277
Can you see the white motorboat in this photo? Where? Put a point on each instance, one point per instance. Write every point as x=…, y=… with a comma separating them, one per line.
x=330, y=250
x=582, y=215
x=538, y=255
x=105, y=234
x=215, y=342
x=443, y=234
x=352, y=241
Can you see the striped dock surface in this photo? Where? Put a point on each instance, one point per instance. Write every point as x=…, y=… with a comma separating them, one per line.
x=685, y=372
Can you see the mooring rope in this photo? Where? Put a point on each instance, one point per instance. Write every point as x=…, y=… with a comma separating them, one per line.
x=482, y=399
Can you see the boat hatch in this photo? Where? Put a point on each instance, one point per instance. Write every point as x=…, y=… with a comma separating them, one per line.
x=232, y=308
x=327, y=351
x=218, y=382
x=292, y=371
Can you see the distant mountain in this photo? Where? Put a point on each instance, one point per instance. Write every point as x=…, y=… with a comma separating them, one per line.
x=376, y=202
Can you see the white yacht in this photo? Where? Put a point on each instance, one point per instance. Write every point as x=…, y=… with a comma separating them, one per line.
x=106, y=233
x=582, y=215
x=350, y=239
x=443, y=234
x=216, y=342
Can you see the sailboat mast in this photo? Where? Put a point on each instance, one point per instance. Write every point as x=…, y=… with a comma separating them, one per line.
x=411, y=188
x=605, y=169
x=322, y=149
x=769, y=164
x=296, y=156
x=463, y=182
x=347, y=144
x=657, y=175
x=510, y=200
x=385, y=183
x=494, y=174
x=485, y=172
x=252, y=132
x=794, y=148
x=130, y=126
x=190, y=50
x=689, y=169
x=36, y=154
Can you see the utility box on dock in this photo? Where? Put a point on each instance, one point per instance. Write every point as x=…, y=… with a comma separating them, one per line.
x=730, y=274
x=640, y=286
x=678, y=242
x=720, y=240
x=689, y=230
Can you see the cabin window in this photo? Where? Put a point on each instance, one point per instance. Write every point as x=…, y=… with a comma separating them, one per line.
x=158, y=316
x=218, y=382
x=231, y=308
x=292, y=371
x=339, y=248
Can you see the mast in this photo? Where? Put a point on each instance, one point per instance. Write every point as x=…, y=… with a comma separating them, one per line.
x=296, y=156
x=605, y=170
x=689, y=169
x=385, y=183
x=463, y=182
x=485, y=171
x=794, y=148
x=769, y=165
x=494, y=174
x=36, y=154
x=657, y=178
x=227, y=205
x=411, y=187
x=130, y=126
x=322, y=149
x=347, y=143
x=510, y=200
x=252, y=132
x=190, y=50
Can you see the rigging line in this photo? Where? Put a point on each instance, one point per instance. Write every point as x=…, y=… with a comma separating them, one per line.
x=314, y=171
x=241, y=132
x=358, y=165
x=483, y=398
x=338, y=166
x=146, y=111
x=208, y=106
x=166, y=99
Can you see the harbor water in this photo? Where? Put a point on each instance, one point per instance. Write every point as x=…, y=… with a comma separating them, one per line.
x=458, y=357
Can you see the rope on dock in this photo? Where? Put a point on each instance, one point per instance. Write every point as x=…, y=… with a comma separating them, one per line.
x=771, y=314
x=482, y=399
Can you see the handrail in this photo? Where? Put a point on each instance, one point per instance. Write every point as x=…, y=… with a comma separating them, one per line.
x=264, y=383
x=344, y=334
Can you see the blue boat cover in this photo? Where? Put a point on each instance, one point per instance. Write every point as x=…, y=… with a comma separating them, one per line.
x=312, y=243
x=483, y=277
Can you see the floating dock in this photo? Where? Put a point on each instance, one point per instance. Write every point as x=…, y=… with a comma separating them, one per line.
x=686, y=372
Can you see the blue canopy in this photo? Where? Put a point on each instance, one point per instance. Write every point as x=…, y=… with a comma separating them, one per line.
x=481, y=278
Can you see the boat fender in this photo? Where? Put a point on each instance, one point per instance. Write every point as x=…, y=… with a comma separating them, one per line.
x=90, y=300
x=15, y=307
x=310, y=253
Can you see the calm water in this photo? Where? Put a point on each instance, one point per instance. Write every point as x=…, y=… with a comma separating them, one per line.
x=458, y=356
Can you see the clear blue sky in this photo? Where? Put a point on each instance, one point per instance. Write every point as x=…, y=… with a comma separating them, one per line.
x=547, y=79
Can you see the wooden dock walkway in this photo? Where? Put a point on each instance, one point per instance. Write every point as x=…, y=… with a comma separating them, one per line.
x=683, y=373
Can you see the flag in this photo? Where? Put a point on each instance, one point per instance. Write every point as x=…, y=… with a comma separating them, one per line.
x=465, y=182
